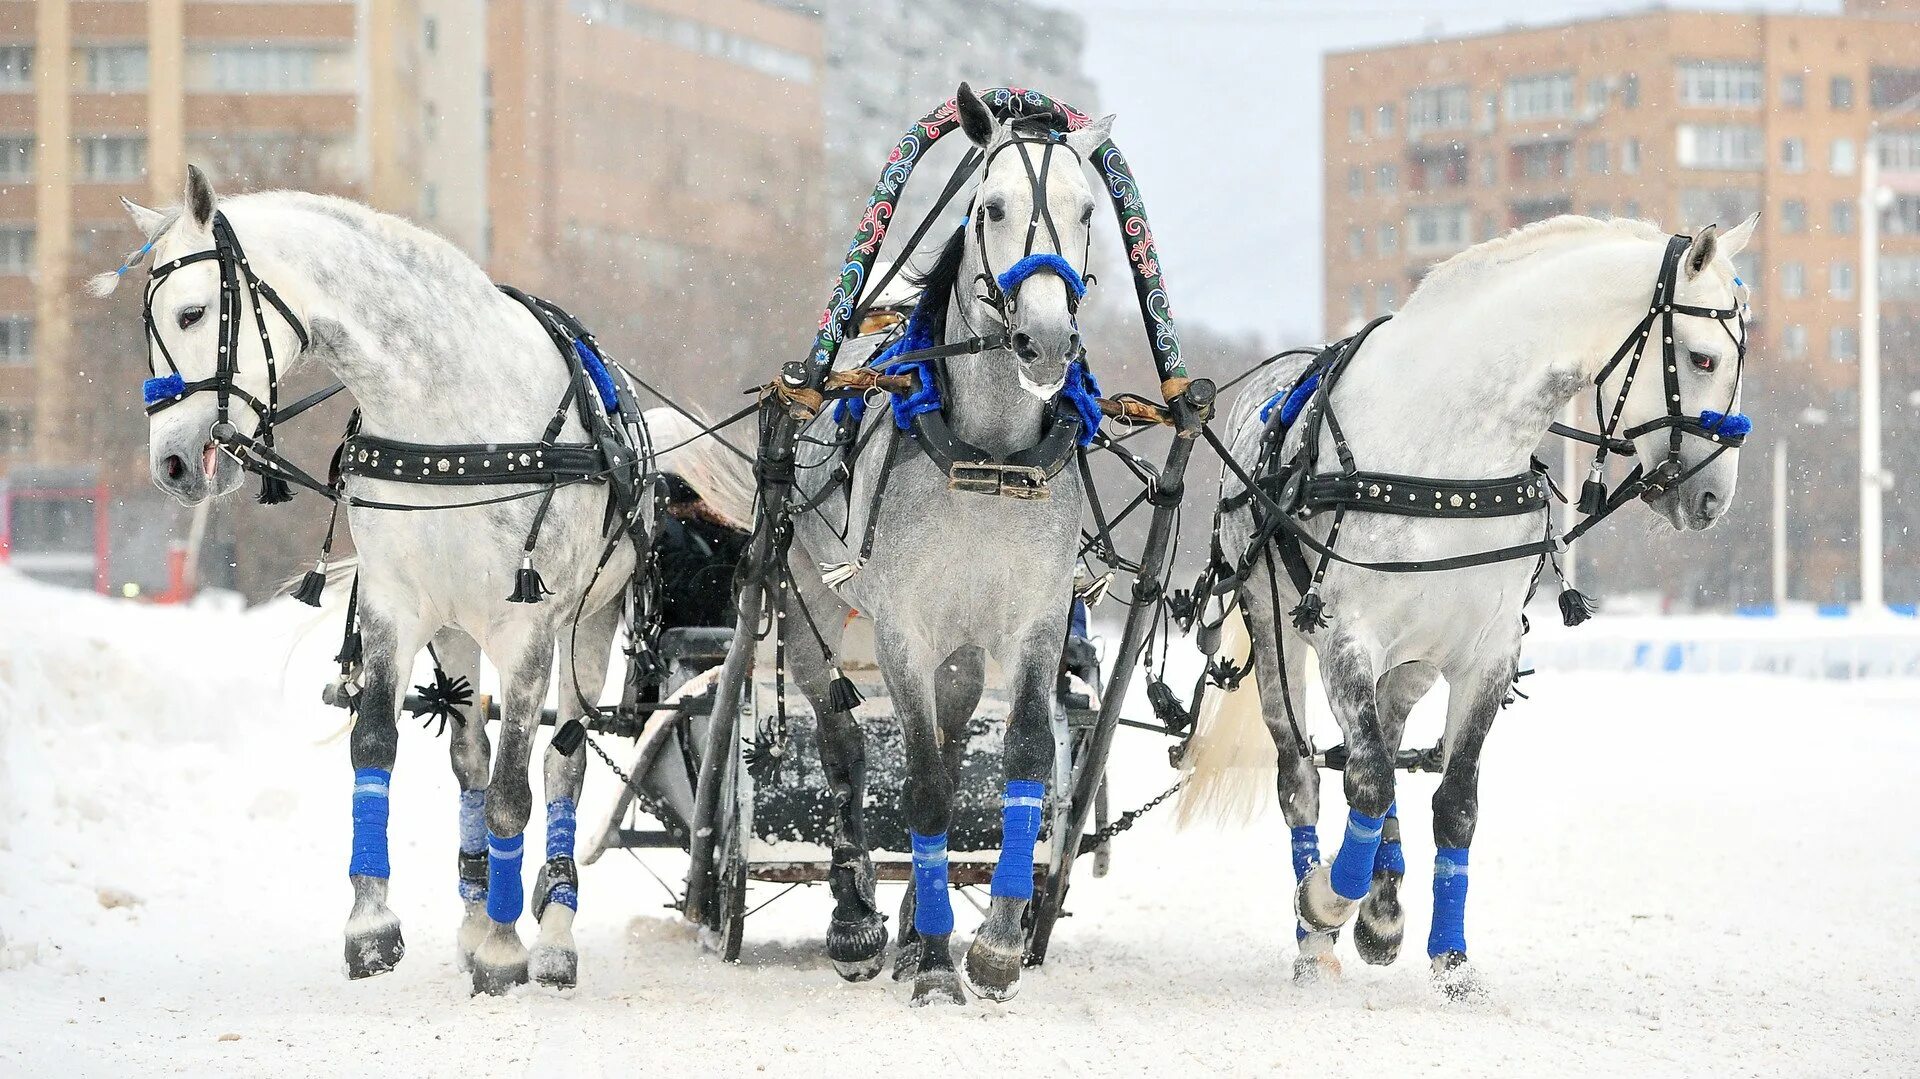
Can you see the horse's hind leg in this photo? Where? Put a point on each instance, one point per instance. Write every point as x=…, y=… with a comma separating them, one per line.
x=1329, y=893
x=998, y=950
x=1381, y=922
x=585, y=651
x=957, y=687
x=1473, y=701
x=472, y=752
x=389, y=642
x=856, y=931
x=525, y=661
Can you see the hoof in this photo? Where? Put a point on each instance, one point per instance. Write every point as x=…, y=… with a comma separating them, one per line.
x=992, y=970
x=1381, y=924
x=940, y=986
x=558, y=968
x=473, y=930
x=858, y=948
x=1456, y=978
x=1318, y=906
x=1316, y=964
x=500, y=963
x=374, y=949
x=906, y=961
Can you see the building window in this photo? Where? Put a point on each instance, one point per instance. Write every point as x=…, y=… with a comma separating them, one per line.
x=1437, y=228
x=273, y=69
x=1793, y=280
x=16, y=340
x=1356, y=303
x=430, y=33
x=1597, y=158
x=1793, y=216
x=1389, y=240
x=430, y=121
x=1840, y=280
x=1596, y=95
x=1843, y=210
x=1356, y=123
x=1840, y=92
x=1527, y=211
x=1794, y=340
x=1488, y=171
x=1386, y=296
x=1437, y=108
x=1630, y=91
x=1630, y=209
x=16, y=430
x=1542, y=160
x=1900, y=277
x=1386, y=178
x=1899, y=151
x=1840, y=158
x=1599, y=210
x=1903, y=218
x=1357, y=242
x=1721, y=146
x=1719, y=84
x=1356, y=182
x=430, y=201
x=113, y=158
x=1630, y=155
x=696, y=37
x=16, y=249
x=114, y=68
x=1383, y=118
x=1435, y=167
x=1540, y=97
x=1843, y=343
x=1489, y=111
x=1793, y=91
x=1793, y=155
x=16, y=158
x=16, y=67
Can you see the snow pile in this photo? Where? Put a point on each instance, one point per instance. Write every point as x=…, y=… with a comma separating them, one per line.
x=1659, y=888
x=1801, y=646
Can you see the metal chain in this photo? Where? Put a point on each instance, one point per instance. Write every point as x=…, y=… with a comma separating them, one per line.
x=1126, y=820
x=625, y=779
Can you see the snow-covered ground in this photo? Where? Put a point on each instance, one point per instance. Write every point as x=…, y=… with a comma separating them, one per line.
x=1674, y=875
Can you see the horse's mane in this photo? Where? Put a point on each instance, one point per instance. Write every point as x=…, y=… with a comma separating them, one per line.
x=937, y=282
x=1472, y=263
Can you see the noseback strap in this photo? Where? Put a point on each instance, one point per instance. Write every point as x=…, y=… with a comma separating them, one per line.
x=1045, y=262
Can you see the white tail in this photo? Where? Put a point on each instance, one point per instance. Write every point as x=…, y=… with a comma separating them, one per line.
x=1230, y=765
x=723, y=479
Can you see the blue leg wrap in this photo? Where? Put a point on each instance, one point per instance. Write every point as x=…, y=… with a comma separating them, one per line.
x=1449, y=932
x=1353, y=866
x=1391, y=859
x=1019, y=831
x=560, y=845
x=504, y=895
x=473, y=838
x=1306, y=853
x=932, y=906
x=370, y=823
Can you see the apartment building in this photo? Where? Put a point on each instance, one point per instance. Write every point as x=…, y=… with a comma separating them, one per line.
x=1679, y=117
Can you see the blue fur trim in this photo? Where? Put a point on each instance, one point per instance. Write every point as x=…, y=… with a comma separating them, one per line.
x=1353, y=867
x=473, y=838
x=1290, y=401
x=1732, y=425
x=1050, y=263
x=1449, y=933
x=166, y=387
x=505, y=897
x=1019, y=831
x=932, y=905
x=370, y=823
x=1082, y=391
x=597, y=371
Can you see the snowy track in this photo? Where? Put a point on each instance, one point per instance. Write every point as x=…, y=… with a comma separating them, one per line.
x=1673, y=876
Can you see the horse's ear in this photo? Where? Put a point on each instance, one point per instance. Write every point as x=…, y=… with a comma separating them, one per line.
x=1088, y=139
x=975, y=118
x=1705, y=244
x=149, y=222
x=199, y=200
x=1737, y=237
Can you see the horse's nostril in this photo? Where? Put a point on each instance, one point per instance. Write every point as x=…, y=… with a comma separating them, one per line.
x=1709, y=505
x=1023, y=344
x=176, y=467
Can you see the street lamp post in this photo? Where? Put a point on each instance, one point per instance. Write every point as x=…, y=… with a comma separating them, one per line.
x=1873, y=478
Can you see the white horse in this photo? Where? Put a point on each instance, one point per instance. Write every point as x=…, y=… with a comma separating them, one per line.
x=433, y=353
x=1462, y=384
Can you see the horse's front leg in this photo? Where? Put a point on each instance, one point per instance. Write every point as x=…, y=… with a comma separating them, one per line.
x=999, y=949
x=957, y=686
x=389, y=641
x=909, y=671
x=1381, y=923
x=471, y=752
x=525, y=667
x=1328, y=894
x=1473, y=700
x=585, y=652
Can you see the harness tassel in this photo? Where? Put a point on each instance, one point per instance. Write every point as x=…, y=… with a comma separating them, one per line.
x=527, y=585
x=312, y=585
x=840, y=573
x=1593, y=493
x=1310, y=613
x=842, y=694
x=1575, y=607
x=274, y=490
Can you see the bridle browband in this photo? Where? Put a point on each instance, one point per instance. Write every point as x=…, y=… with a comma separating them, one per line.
x=1282, y=492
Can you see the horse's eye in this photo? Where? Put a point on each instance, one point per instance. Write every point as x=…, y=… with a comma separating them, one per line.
x=1086, y=216
x=995, y=211
x=191, y=315
x=1705, y=361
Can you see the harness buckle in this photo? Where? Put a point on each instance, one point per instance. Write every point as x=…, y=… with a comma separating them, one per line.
x=999, y=478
